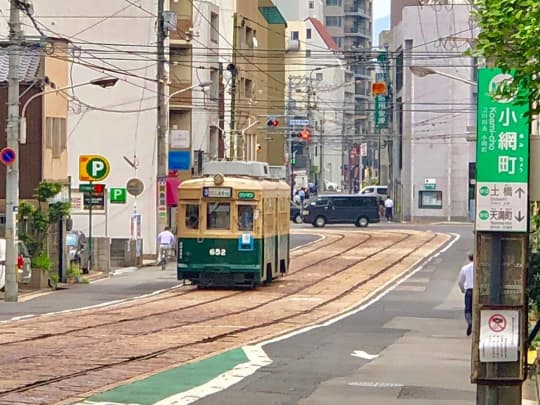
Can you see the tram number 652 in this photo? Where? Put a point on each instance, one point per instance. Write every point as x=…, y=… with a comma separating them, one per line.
x=217, y=252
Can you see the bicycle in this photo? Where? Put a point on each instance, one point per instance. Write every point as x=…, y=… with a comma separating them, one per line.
x=163, y=256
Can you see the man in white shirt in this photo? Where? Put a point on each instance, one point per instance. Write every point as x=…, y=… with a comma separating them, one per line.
x=165, y=242
x=388, y=207
x=466, y=285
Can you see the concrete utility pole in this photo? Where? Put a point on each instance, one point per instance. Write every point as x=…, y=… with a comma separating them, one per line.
x=162, y=122
x=288, y=137
x=12, y=172
x=234, y=74
x=320, y=187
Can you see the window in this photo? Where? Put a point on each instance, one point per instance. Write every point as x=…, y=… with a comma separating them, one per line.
x=192, y=216
x=341, y=202
x=295, y=35
x=214, y=88
x=312, y=5
x=218, y=215
x=56, y=136
x=308, y=53
x=320, y=202
x=214, y=27
x=338, y=41
x=308, y=33
x=333, y=2
x=430, y=199
x=245, y=217
x=319, y=76
x=333, y=21
x=248, y=88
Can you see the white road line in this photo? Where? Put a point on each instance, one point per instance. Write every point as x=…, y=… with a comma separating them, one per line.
x=364, y=355
x=259, y=358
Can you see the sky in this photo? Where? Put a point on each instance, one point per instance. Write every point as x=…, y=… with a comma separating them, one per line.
x=381, y=18
x=381, y=8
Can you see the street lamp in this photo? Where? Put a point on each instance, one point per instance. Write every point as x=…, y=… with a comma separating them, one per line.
x=203, y=85
x=102, y=82
x=423, y=71
x=12, y=187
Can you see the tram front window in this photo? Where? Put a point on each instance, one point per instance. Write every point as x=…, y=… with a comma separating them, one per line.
x=245, y=217
x=192, y=216
x=218, y=215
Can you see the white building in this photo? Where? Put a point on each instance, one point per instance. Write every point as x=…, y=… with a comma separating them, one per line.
x=434, y=113
x=118, y=39
x=322, y=90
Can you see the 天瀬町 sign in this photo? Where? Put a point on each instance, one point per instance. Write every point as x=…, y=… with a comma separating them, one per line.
x=502, y=157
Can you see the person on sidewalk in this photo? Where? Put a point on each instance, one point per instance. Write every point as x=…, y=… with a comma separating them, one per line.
x=466, y=284
x=388, y=207
x=166, y=242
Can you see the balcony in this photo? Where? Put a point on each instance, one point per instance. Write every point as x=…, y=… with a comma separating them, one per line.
x=350, y=31
x=293, y=45
x=182, y=35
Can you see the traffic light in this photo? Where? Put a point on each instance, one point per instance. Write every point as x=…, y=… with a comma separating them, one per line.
x=305, y=135
x=272, y=122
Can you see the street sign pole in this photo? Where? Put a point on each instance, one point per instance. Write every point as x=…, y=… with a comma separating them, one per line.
x=498, y=355
x=90, y=260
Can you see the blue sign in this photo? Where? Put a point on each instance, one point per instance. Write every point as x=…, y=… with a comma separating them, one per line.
x=7, y=156
x=179, y=160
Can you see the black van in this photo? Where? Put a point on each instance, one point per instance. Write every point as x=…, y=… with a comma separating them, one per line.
x=342, y=209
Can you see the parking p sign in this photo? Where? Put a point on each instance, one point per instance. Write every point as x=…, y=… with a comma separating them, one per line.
x=118, y=195
x=93, y=168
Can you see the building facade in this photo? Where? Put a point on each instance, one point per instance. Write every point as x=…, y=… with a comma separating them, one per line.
x=433, y=126
x=350, y=24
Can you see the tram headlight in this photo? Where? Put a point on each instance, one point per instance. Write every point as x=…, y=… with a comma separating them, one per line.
x=305, y=212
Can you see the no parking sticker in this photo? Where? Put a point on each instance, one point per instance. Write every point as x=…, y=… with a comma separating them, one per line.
x=499, y=335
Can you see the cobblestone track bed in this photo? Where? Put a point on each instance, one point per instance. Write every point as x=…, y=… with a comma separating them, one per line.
x=180, y=342
x=151, y=312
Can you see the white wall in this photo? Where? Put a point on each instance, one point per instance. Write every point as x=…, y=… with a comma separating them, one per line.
x=439, y=109
x=112, y=135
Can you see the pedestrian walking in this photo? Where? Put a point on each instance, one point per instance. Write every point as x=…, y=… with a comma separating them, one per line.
x=388, y=207
x=466, y=284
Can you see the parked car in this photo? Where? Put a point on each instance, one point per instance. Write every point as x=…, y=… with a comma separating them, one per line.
x=376, y=191
x=296, y=213
x=77, y=245
x=24, y=264
x=342, y=209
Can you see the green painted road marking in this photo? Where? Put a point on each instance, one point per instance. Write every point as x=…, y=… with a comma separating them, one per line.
x=165, y=384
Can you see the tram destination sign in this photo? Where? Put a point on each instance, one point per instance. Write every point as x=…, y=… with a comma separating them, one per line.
x=217, y=192
x=502, y=157
x=246, y=195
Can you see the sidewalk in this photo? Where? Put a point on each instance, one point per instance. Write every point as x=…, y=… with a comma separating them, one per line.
x=26, y=294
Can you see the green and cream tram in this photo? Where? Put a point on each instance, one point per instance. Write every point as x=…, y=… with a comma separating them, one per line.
x=233, y=229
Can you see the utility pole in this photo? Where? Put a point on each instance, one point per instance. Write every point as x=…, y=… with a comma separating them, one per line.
x=234, y=73
x=12, y=172
x=288, y=138
x=162, y=121
x=321, y=157
x=221, y=113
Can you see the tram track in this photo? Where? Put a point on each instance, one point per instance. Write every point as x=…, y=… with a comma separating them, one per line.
x=191, y=291
x=239, y=330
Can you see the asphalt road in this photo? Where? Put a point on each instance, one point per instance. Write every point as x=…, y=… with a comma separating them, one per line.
x=120, y=287
x=413, y=342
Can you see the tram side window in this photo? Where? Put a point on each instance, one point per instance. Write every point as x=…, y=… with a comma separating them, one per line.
x=245, y=217
x=192, y=216
x=218, y=215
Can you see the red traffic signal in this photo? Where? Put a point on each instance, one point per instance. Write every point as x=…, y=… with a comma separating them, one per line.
x=99, y=188
x=305, y=135
x=272, y=122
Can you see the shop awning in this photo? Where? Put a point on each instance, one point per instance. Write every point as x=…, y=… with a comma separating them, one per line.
x=172, y=191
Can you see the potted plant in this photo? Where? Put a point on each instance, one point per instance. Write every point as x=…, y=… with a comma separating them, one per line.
x=73, y=274
x=42, y=276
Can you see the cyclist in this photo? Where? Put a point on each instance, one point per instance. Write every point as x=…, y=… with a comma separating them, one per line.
x=165, y=241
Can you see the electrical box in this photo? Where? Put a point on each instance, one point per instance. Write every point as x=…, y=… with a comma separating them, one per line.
x=169, y=21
